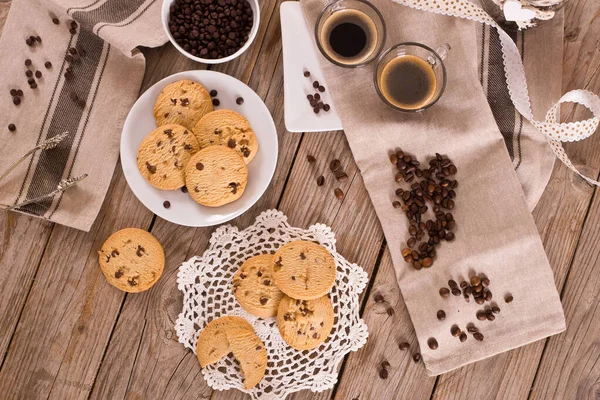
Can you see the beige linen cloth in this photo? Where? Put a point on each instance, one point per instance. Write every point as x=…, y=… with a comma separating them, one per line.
x=495, y=233
x=107, y=78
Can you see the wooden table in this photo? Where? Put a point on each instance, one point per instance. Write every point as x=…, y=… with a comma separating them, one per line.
x=66, y=334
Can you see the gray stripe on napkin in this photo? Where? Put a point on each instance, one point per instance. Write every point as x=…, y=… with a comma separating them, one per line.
x=130, y=21
x=112, y=11
x=66, y=117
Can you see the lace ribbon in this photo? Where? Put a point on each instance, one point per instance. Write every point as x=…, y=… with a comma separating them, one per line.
x=555, y=132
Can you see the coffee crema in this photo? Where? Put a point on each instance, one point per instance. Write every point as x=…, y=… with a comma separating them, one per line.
x=408, y=82
x=349, y=36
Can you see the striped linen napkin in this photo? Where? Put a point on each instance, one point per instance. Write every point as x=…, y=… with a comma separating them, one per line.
x=89, y=76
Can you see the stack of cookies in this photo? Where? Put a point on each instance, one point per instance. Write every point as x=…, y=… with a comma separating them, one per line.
x=194, y=146
x=292, y=285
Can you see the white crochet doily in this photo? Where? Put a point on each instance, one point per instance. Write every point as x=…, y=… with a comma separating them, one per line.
x=206, y=285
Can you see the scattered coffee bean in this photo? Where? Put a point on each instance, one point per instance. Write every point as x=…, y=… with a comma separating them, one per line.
x=69, y=58
x=72, y=50
x=478, y=336
x=383, y=373
x=38, y=74
x=481, y=315
x=339, y=193
x=385, y=364
x=73, y=24
x=210, y=29
x=417, y=357
x=455, y=330
x=311, y=159
x=462, y=337
x=166, y=204
x=456, y=292
x=48, y=64
x=341, y=176
x=321, y=181
x=306, y=74
x=213, y=93
x=444, y=292
x=184, y=189
x=390, y=311
x=441, y=315
x=403, y=346
x=378, y=298
x=432, y=343
x=72, y=31
x=508, y=298
x=335, y=165
x=396, y=204
x=239, y=101
x=55, y=21
x=38, y=39
x=496, y=310
x=12, y=127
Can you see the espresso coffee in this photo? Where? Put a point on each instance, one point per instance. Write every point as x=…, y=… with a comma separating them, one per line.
x=408, y=82
x=349, y=36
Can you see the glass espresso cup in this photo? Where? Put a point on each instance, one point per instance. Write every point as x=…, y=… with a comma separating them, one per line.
x=350, y=33
x=411, y=77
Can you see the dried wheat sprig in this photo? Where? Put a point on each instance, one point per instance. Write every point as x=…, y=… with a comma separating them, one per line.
x=46, y=145
x=62, y=186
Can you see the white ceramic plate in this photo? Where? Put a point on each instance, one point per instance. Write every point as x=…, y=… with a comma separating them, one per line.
x=300, y=54
x=184, y=210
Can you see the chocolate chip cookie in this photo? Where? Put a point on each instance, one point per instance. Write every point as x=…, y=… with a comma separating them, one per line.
x=132, y=260
x=254, y=289
x=227, y=128
x=163, y=155
x=182, y=103
x=305, y=324
x=303, y=270
x=215, y=176
x=233, y=334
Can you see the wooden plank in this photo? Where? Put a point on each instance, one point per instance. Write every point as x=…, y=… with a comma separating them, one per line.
x=131, y=361
x=559, y=215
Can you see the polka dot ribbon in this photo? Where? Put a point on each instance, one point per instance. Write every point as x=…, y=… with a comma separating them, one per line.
x=556, y=133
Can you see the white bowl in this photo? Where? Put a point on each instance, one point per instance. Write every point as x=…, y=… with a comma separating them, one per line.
x=255, y=23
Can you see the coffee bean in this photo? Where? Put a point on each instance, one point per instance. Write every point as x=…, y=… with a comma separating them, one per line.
x=488, y=296
x=412, y=241
x=462, y=337
x=481, y=315
x=385, y=364
x=213, y=93
x=478, y=336
x=55, y=21
x=216, y=102
x=184, y=189
x=321, y=181
x=315, y=84
x=239, y=101
x=432, y=343
x=444, y=292
x=306, y=74
x=452, y=283
x=72, y=31
x=341, y=176
x=496, y=310
x=335, y=165
x=166, y=204
x=38, y=74
x=485, y=282
x=383, y=373
x=427, y=262
x=73, y=24
x=378, y=298
x=417, y=357
x=16, y=100
x=48, y=64
x=441, y=315
x=403, y=346
x=479, y=300
x=508, y=298
x=455, y=330
x=472, y=328
x=475, y=280
x=12, y=127
x=339, y=193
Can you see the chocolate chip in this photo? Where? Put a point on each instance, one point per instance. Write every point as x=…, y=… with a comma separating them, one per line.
x=27, y=62
x=13, y=92
x=231, y=143
x=184, y=102
x=16, y=100
x=383, y=373
x=12, y=127
x=38, y=74
x=216, y=102
x=55, y=21
x=29, y=74
x=132, y=282
x=114, y=253
x=316, y=84
x=320, y=180
x=213, y=93
x=151, y=168
x=233, y=187
x=19, y=93
x=166, y=204
x=118, y=274
x=306, y=74
x=508, y=298
x=199, y=166
x=73, y=24
x=302, y=256
x=33, y=85
x=239, y=101
x=48, y=64
x=263, y=300
x=258, y=348
x=321, y=89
